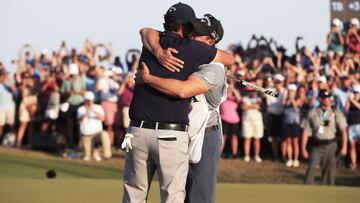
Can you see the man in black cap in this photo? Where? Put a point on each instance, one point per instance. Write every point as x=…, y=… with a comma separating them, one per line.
x=321, y=125
x=159, y=123
x=209, y=81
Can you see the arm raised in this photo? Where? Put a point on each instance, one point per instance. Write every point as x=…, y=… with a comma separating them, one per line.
x=177, y=88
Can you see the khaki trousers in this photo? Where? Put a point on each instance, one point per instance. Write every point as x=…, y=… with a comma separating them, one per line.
x=89, y=141
x=150, y=153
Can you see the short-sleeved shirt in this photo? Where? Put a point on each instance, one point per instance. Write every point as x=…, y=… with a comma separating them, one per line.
x=323, y=124
x=274, y=105
x=213, y=76
x=70, y=85
x=108, y=89
x=342, y=98
x=335, y=44
x=90, y=125
x=6, y=98
x=151, y=105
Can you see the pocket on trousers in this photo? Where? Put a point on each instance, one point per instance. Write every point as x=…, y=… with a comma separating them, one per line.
x=173, y=151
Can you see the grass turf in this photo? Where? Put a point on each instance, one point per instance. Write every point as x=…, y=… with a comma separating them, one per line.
x=22, y=179
x=110, y=191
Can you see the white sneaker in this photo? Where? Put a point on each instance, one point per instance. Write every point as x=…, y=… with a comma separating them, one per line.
x=258, y=159
x=247, y=159
x=289, y=163
x=97, y=158
x=296, y=163
x=86, y=158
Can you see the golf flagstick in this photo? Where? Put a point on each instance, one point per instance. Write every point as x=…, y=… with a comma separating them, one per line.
x=255, y=87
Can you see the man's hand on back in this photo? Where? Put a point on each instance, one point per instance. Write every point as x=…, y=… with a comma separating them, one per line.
x=166, y=59
x=142, y=74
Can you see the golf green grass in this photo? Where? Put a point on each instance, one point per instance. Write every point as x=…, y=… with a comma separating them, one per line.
x=110, y=191
x=22, y=180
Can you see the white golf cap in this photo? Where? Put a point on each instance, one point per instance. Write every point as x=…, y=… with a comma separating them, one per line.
x=89, y=96
x=279, y=77
x=73, y=69
x=336, y=22
x=322, y=79
x=356, y=88
x=292, y=87
x=354, y=21
x=117, y=70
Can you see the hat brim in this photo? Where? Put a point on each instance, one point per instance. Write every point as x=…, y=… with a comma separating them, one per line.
x=198, y=28
x=326, y=96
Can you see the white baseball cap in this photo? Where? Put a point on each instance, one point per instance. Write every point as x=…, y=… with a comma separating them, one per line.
x=292, y=87
x=356, y=88
x=117, y=70
x=354, y=21
x=279, y=77
x=73, y=69
x=89, y=96
x=336, y=22
x=322, y=79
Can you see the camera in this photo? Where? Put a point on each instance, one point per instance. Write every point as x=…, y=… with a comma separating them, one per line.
x=326, y=123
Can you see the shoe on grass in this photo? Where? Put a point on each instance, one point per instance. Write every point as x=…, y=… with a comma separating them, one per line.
x=258, y=159
x=97, y=158
x=296, y=163
x=289, y=163
x=247, y=159
x=86, y=158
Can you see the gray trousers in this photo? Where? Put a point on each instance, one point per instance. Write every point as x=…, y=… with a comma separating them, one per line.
x=201, y=180
x=149, y=154
x=326, y=155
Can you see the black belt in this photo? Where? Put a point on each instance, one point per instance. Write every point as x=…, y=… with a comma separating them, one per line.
x=211, y=129
x=318, y=142
x=159, y=125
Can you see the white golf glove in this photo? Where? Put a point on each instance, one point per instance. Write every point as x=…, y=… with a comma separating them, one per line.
x=126, y=144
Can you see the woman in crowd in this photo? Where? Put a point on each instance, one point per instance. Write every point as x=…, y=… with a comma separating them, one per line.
x=252, y=125
x=353, y=37
x=230, y=118
x=126, y=92
x=353, y=107
x=27, y=109
x=292, y=103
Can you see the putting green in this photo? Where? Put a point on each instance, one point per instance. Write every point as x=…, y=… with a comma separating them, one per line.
x=105, y=190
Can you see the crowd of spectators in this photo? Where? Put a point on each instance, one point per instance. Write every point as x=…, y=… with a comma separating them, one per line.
x=42, y=103
x=298, y=78
x=53, y=93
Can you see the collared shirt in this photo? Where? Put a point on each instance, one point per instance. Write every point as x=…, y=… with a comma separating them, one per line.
x=90, y=125
x=322, y=124
x=70, y=85
x=151, y=105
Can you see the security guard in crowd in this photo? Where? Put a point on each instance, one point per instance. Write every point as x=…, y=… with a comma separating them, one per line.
x=321, y=125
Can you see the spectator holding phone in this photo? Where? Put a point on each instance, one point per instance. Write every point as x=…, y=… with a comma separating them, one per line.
x=7, y=104
x=353, y=37
x=252, y=126
x=291, y=124
x=353, y=107
x=90, y=117
x=335, y=39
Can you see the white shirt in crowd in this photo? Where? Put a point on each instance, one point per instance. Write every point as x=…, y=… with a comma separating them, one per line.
x=91, y=124
x=108, y=89
x=274, y=105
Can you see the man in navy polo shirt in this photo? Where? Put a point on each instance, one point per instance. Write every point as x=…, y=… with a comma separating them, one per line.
x=158, y=124
x=209, y=80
